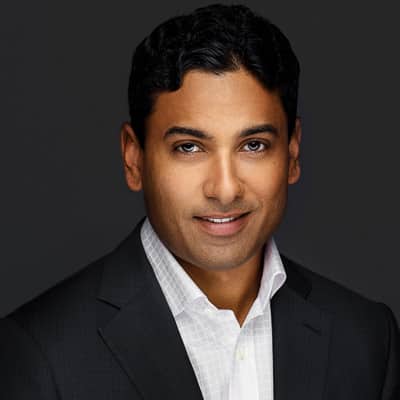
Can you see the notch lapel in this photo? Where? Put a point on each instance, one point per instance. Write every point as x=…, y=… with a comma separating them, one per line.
x=301, y=334
x=140, y=329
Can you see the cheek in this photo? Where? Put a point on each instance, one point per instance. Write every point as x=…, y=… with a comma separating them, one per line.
x=171, y=188
x=269, y=181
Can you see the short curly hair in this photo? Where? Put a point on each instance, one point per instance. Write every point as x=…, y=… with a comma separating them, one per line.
x=216, y=39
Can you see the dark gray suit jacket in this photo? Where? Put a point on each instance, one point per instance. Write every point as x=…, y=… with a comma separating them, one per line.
x=107, y=334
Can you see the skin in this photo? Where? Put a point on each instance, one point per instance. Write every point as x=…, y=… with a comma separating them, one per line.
x=183, y=176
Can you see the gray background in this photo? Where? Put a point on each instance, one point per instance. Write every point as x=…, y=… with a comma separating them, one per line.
x=64, y=73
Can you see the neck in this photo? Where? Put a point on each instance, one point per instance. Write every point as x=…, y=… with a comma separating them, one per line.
x=234, y=289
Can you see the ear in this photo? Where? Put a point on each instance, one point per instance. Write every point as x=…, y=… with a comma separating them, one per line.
x=294, y=153
x=132, y=157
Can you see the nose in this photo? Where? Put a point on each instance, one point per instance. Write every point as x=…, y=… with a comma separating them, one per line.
x=223, y=182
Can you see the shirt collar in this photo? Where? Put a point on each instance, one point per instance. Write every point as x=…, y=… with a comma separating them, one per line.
x=274, y=274
x=180, y=290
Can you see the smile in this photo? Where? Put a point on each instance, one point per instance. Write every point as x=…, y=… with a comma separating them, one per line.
x=220, y=220
x=223, y=226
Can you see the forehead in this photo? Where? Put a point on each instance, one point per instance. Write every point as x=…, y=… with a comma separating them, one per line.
x=225, y=102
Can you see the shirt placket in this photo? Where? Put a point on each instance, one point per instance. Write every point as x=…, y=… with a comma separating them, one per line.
x=243, y=380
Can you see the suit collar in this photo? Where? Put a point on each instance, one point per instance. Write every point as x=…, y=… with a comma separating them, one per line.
x=139, y=329
x=125, y=271
x=295, y=280
x=301, y=339
x=141, y=332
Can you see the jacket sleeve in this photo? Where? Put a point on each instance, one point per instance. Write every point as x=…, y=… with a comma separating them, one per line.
x=391, y=386
x=24, y=371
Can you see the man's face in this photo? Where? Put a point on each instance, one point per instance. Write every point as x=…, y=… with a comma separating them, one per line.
x=243, y=166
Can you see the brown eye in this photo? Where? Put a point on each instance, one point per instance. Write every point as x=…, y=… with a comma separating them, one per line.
x=254, y=146
x=186, y=148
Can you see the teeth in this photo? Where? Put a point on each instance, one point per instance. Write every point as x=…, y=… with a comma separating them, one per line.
x=220, y=220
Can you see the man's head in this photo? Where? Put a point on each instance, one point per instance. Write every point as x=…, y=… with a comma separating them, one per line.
x=216, y=39
x=217, y=141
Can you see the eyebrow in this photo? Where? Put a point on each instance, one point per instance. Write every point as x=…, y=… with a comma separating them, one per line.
x=182, y=130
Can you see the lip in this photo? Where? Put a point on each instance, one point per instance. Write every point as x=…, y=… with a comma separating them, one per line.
x=226, y=228
x=231, y=215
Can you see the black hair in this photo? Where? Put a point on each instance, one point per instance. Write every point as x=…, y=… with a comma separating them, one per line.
x=217, y=38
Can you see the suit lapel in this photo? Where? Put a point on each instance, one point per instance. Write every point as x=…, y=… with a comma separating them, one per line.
x=138, y=326
x=301, y=334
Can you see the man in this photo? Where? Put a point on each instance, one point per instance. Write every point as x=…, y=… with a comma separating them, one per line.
x=197, y=302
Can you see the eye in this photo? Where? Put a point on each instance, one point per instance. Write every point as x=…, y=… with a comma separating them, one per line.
x=186, y=148
x=255, y=144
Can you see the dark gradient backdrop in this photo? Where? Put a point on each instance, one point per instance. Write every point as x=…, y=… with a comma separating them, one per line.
x=64, y=73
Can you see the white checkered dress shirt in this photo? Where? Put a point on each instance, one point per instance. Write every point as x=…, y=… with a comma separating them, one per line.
x=230, y=362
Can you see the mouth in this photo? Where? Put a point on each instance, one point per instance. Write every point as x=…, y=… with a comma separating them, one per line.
x=223, y=225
